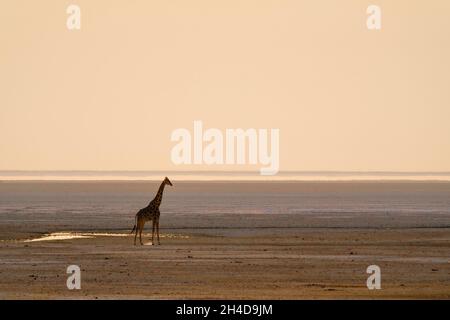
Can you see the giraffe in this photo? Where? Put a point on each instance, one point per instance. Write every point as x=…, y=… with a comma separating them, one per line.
x=150, y=212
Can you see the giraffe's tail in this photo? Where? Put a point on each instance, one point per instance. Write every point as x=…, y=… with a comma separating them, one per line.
x=135, y=223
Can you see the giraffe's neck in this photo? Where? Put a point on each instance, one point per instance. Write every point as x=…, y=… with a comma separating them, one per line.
x=157, y=200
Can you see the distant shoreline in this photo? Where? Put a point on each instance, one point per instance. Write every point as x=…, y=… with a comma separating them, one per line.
x=231, y=180
x=92, y=175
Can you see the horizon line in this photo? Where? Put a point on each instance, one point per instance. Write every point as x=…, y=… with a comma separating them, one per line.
x=217, y=175
x=239, y=172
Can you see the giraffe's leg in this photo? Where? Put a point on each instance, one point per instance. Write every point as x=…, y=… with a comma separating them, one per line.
x=141, y=227
x=157, y=230
x=137, y=230
x=153, y=229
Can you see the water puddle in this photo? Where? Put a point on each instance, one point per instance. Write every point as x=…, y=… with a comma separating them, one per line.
x=57, y=236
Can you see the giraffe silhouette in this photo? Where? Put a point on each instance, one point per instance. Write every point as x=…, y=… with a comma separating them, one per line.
x=150, y=212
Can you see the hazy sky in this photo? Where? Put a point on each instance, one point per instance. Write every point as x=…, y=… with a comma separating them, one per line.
x=108, y=96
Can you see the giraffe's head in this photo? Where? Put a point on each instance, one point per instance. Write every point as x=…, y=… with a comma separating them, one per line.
x=167, y=181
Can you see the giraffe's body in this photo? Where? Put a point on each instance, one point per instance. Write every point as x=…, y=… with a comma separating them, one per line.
x=150, y=212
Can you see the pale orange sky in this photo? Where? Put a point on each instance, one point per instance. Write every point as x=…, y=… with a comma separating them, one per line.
x=107, y=97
